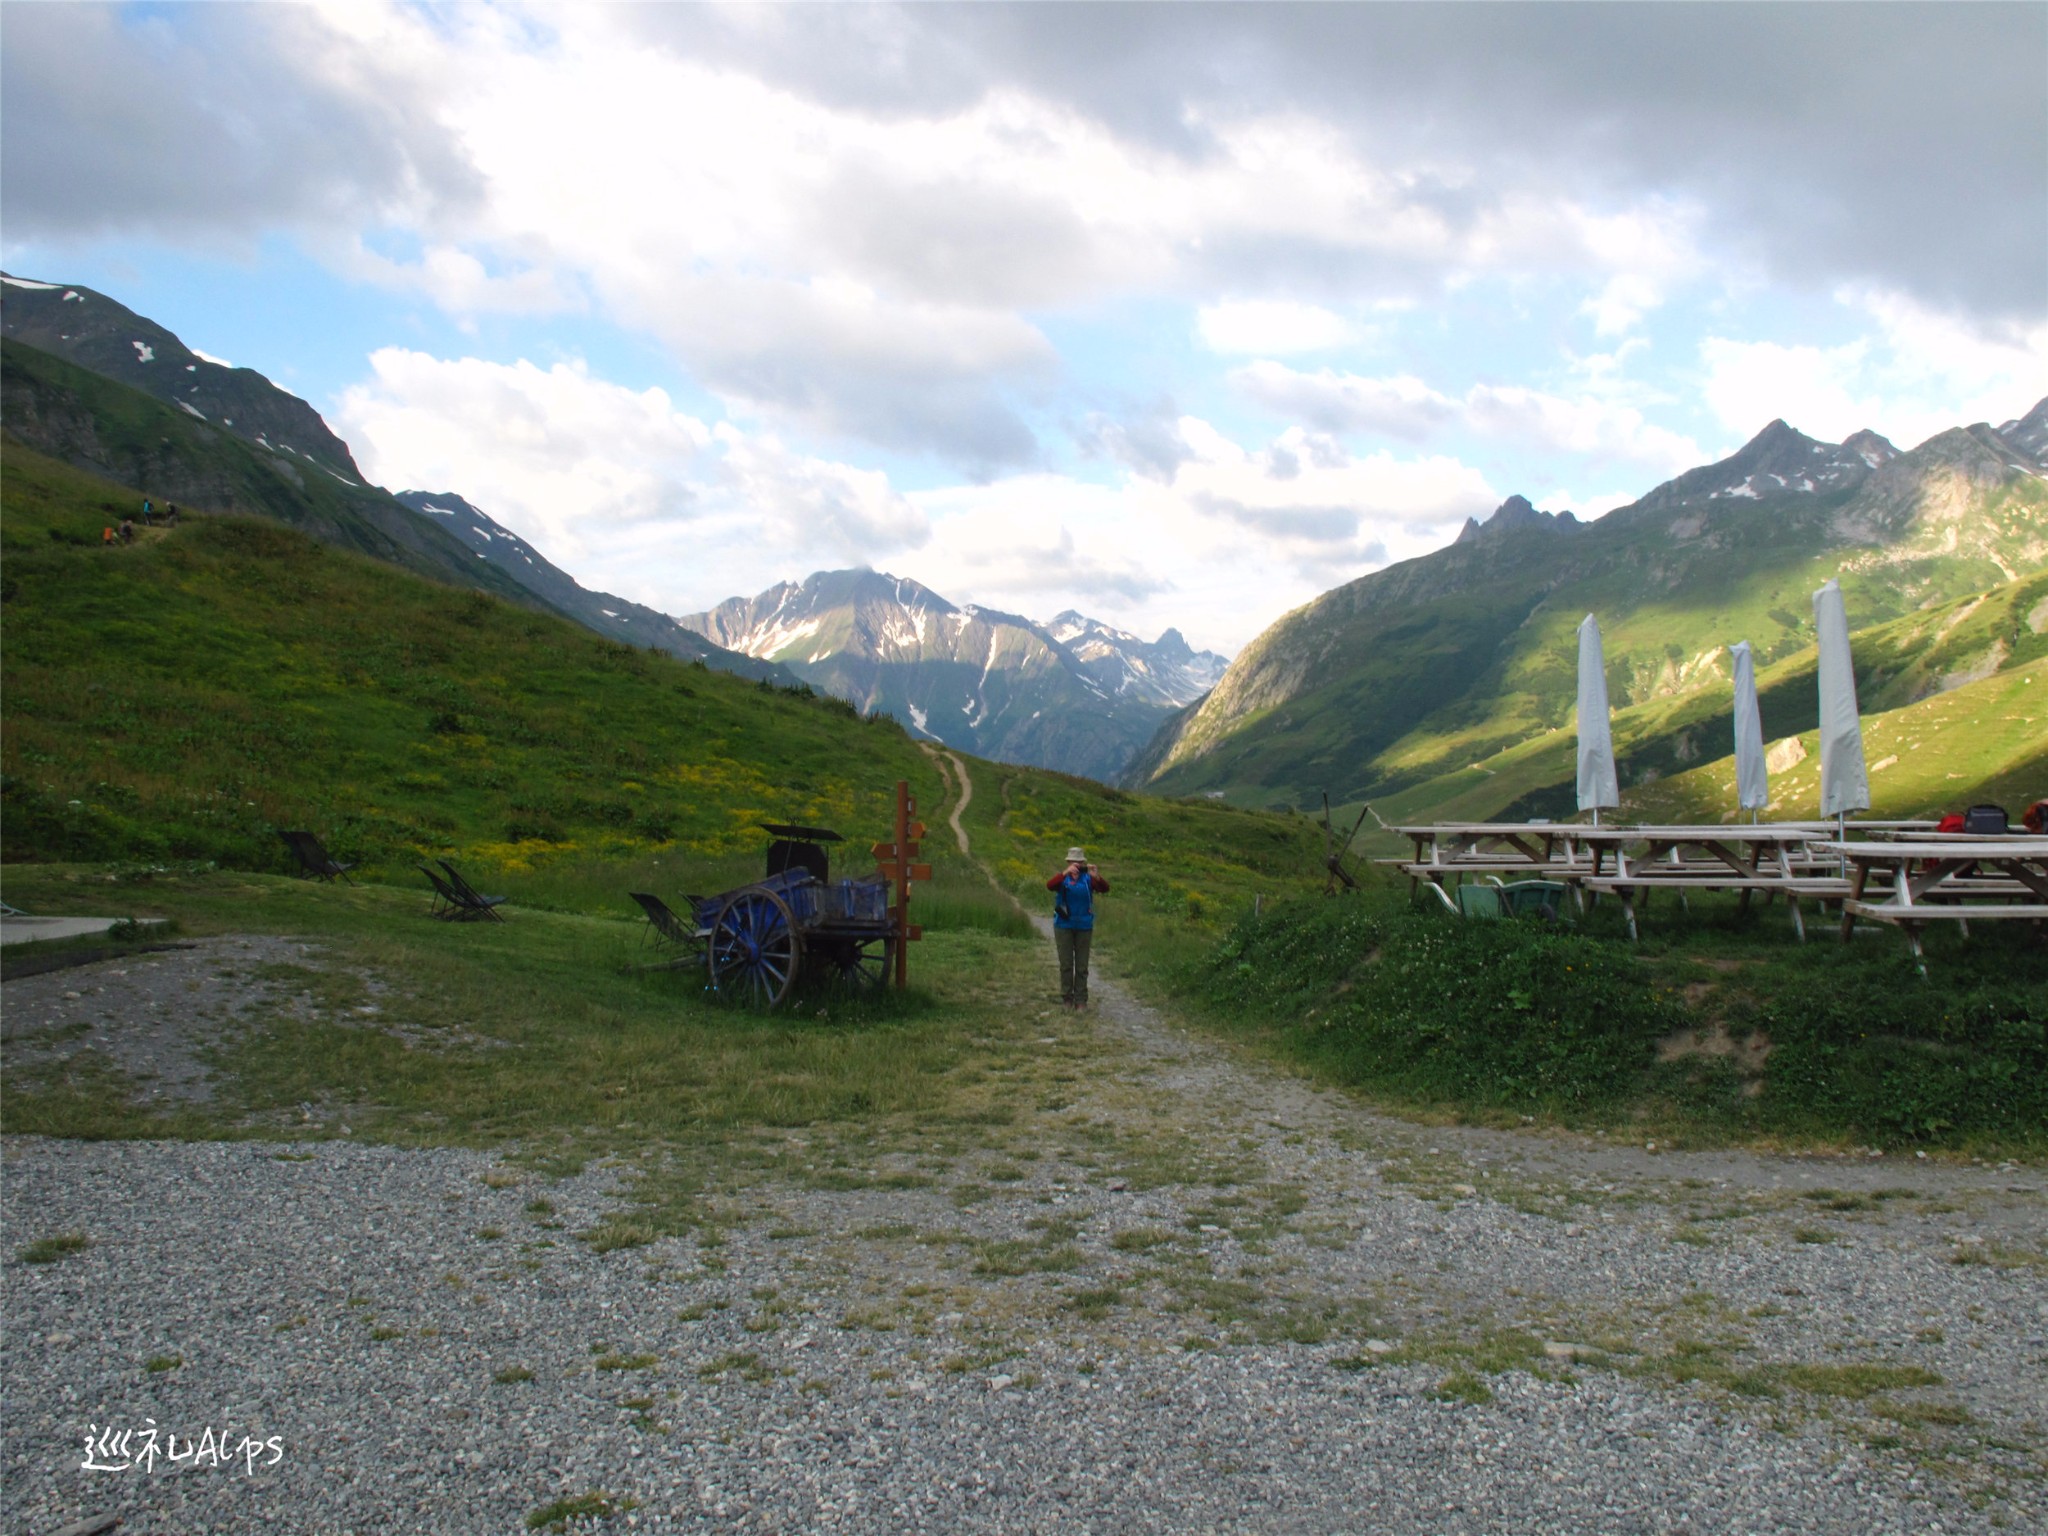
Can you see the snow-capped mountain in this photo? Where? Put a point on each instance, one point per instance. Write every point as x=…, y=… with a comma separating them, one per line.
x=1779, y=461
x=1167, y=672
x=105, y=336
x=1075, y=695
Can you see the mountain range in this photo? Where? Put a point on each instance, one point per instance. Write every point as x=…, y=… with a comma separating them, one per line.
x=1074, y=694
x=1433, y=684
x=1425, y=673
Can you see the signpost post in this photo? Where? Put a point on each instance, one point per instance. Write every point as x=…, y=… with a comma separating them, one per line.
x=897, y=862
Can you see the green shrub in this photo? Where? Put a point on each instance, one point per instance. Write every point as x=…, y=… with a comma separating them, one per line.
x=1505, y=1014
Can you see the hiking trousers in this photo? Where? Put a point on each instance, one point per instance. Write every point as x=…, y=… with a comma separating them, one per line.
x=1072, y=945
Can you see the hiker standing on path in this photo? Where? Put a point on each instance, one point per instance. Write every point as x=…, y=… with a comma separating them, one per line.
x=1073, y=923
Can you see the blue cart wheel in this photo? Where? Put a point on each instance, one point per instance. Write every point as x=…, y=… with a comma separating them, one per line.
x=755, y=948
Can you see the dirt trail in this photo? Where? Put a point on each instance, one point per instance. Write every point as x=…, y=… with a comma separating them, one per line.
x=961, y=802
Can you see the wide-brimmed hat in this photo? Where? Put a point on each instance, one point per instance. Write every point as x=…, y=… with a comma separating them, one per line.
x=1077, y=856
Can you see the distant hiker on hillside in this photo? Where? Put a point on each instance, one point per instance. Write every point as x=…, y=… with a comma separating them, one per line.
x=107, y=537
x=148, y=514
x=1073, y=923
x=127, y=530
x=171, y=515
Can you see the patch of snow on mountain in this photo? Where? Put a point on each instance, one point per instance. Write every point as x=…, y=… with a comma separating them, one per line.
x=208, y=357
x=439, y=511
x=1741, y=490
x=767, y=641
x=917, y=719
x=607, y=613
x=144, y=352
x=191, y=367
x=185, y=407
x=24, y=282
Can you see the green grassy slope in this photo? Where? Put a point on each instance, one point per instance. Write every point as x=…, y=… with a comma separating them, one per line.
x=145, y=447
x=1912, y=677
x=1417, y=672
x=179, y=698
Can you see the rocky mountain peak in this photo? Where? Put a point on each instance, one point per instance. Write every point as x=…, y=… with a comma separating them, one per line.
x=1871, y=447
x=1511, y=515
x=1779, y=461
x=2029, y=431
x=94, y=332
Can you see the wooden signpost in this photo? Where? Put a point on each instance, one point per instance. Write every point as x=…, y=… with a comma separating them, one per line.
x=897, y=862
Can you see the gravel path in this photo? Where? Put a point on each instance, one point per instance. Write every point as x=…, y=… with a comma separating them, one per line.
x=1176, y=1292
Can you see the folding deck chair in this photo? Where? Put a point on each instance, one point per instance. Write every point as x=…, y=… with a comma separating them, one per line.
x=470, y=903
x=664, y=926
x=314, y=858
x=445, y=903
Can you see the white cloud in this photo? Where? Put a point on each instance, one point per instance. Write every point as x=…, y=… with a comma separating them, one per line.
x=829, y=510
x=878, y=275
x=1271, y=327
x=1917, y=373
x=456, y=281
x=1596, y=425
x=1236, y=537
x=1399, y=405
x=639, y=498
x=1599, y=429
x=558, y=455
x=1618, y=307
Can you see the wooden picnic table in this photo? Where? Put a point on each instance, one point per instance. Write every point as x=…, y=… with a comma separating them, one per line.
x=1535, y=848
x=1737, y=856
x=1742, y=848
x=1942, y=879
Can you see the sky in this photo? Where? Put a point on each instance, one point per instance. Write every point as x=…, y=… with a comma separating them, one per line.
x=1176, y=315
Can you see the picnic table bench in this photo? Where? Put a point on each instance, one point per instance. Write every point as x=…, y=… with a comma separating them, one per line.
x=1536, y=848
x=1943, y=878
x=1749, y=857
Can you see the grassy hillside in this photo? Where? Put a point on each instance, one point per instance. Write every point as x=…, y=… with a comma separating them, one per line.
x=180, y=698
x=1958, y=740
x=1418, y=672
x=144, y=447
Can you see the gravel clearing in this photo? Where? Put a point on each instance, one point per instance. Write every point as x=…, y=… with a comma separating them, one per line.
x=1178, y=1292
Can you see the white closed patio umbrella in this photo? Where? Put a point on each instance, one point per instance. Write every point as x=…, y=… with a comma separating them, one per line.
x=1597, y=784
x=1752, y=776
x=1844, y=785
